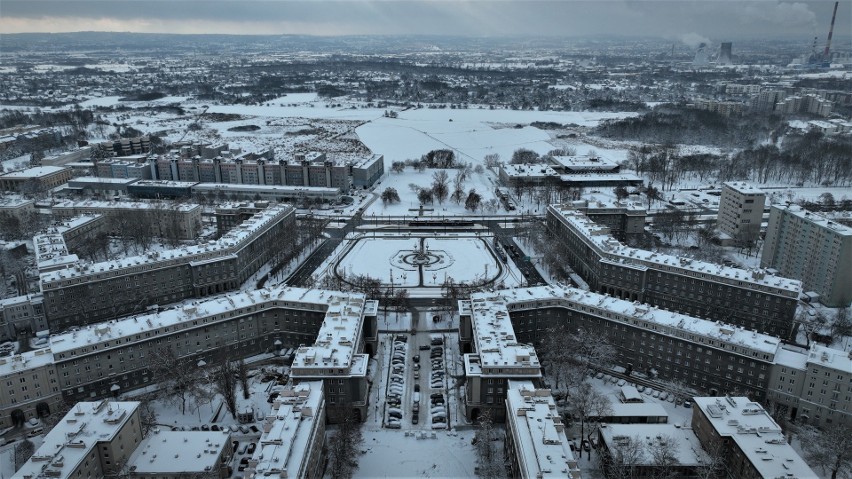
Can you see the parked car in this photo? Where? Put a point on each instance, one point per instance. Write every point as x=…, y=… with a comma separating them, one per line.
x=251, y=448
x=586, y=446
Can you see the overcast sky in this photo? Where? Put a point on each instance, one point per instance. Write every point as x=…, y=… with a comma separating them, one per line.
x=685, y=19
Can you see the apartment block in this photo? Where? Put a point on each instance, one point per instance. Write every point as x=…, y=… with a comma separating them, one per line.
x=16, y=206
x=740, y=211
x=181, y=220
x=750, y=299
x=811, y=248
x=623, y=218
x=536, y=446
x=703, y=354
x=87, y=293
x=93, y=439
x=340, y=357
x=367, y=171
x=94, y=360
x=812, y=386
x=751, y=443
x=293, y=438
x=492, y=356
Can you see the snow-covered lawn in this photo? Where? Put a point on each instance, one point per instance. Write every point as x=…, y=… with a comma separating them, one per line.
x=462, y=258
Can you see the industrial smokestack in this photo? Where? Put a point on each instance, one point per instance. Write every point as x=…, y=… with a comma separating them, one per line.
x=830, y=32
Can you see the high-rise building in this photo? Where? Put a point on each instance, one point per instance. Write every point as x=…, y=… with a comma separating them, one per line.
x=740, y=211
x=811, y=248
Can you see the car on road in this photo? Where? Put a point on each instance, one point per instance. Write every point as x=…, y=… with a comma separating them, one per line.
x=586, y=446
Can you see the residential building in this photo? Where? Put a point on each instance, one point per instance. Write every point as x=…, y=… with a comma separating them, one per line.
x=181, y=454
x=340, y=357
x=93, y=439
x=229, y=215
x=680, y=284
x=623, y=218
x=631, y=448
x=293, y=438
x=96, y=187
x=536, y=446
x=21, y=316
x=702, y=354
x=740, y=211
x=811, y=386
x=809, y=247
x=295, y=194
x=180, y=220
x=94, y=361
x=87, y=293
x=492, y=356
x=367, y=171
x=33, y=180
x=749, y=441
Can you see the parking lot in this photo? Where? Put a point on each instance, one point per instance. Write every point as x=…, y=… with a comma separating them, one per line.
x=415, y=392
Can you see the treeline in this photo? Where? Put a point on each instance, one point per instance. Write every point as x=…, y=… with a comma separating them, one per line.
x=679, y=124
x=808, y=157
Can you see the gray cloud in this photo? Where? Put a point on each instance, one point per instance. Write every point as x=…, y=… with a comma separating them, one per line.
x=671, y=19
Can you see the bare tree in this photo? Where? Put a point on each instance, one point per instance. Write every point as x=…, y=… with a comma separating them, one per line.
x=343, y=447
x=147, y=416
x=663, y=451
x=23, y=452
x=225, y=383
x=492, y=160
x=588, y=405
x=620, y=461
x=242, y=370
x=178, y=376
x=713, y=466
x=440, y=188
x=458, y=187
x=487, y=456
x=842, y=324
x=830, y=449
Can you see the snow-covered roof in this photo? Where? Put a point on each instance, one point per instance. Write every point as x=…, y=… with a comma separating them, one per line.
x=112, y=331
x=743, y=188
x=25, y=361
x=227, y=245
x=600, y=205
x=74, y=437
x=34, y=172
x=590, y=177
x=792, y=356
x=529, y=170
x=334, y=353
x=710, y=333
x=687, y=448
x=51, y=251
x=168, y=183
x=541, y=447
x=289, y=430
x=115, y=205
x=97, y=180
x=261, y=188
x=599, y=238
x=584, y=162
x=12, y=202
x=178, y=452
x=497, y=348
x=638, y=409
x=815, y=219
x=757, y=435
x=365, y=162
x=830, y=358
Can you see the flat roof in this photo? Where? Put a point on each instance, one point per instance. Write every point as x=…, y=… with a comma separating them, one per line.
x=289, y=431
x=335, y=348
x=85, y=180
x=830, y=358
x=757, y=435
x=815, y=219
x=495, y=340
x=74, y=437
x=610, y=249
x=743, y=188
x=596, y=303
x=687, y=448
x=540, y=441
x=642, y=409
x=178, y=452
x=113, y=331
x=34, y=172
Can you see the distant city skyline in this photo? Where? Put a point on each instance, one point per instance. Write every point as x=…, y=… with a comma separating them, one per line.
x=691, y=22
